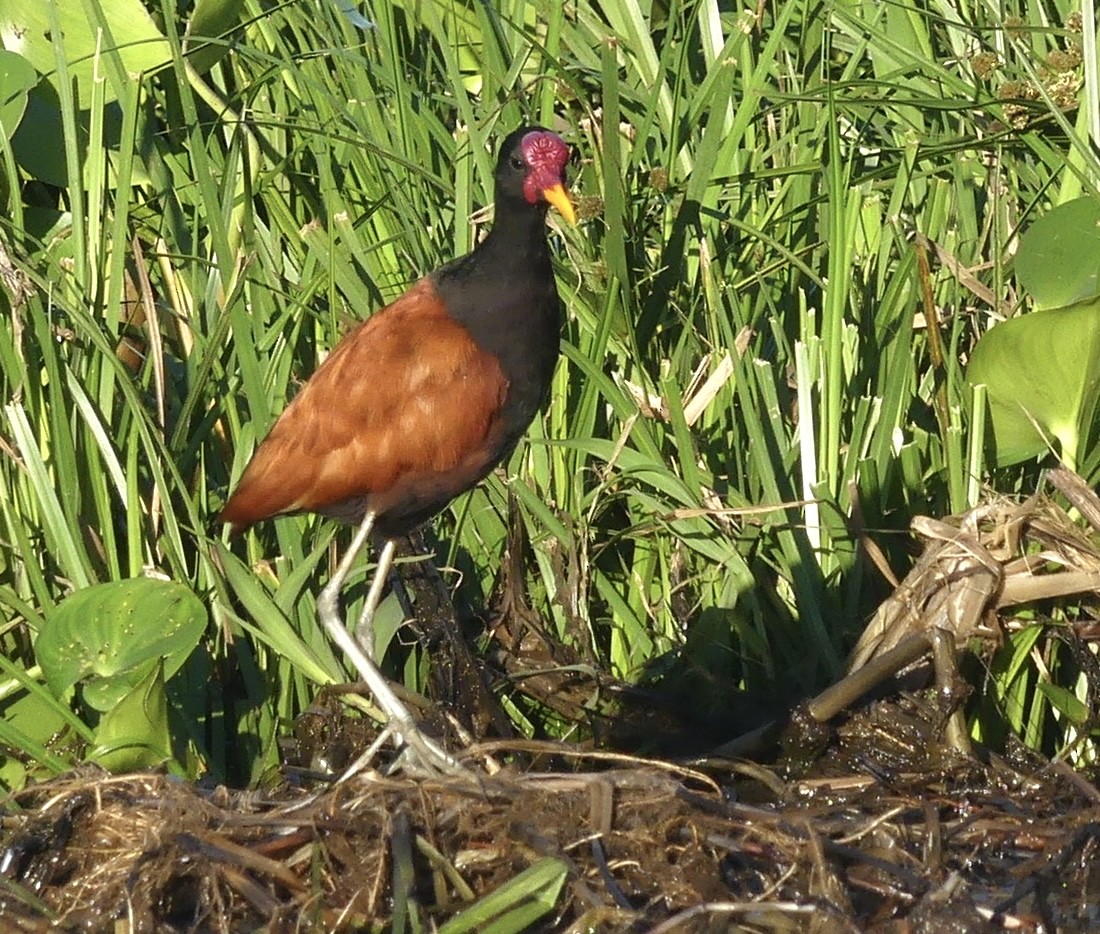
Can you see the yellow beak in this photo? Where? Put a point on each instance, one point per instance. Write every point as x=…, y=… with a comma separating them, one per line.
x=556, y=195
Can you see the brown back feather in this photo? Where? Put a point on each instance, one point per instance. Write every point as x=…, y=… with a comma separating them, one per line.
x=403, y=399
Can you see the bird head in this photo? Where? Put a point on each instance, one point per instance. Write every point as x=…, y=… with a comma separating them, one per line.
x=539, y=157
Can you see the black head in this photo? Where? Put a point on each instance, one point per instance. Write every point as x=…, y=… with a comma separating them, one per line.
x=531, y=169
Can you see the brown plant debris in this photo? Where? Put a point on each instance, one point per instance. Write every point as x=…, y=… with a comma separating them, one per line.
x=870, y=841
x=873, y=819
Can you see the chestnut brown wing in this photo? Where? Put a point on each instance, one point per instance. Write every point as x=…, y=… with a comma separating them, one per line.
x=406, y=403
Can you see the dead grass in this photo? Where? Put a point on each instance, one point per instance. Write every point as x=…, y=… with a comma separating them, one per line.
x=874, y=822
x=858, y=846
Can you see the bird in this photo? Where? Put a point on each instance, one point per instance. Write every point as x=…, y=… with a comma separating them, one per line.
x=420, y=402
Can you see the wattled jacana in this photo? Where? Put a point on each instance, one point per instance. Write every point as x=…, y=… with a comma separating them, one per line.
x=422, y=400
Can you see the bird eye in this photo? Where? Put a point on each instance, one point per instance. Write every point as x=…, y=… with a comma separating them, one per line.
x=517, y=162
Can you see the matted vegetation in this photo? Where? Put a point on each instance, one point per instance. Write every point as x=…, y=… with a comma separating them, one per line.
x=798, y=220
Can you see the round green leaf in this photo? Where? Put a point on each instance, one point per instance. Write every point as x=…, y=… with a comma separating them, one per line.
x=1059, y=258
x=29, y=722
x=39, y=144
x=135, y=733
x=106, y=693
x=1042, y=373
x=126, y=27
x=111, y=630
x=17, y=77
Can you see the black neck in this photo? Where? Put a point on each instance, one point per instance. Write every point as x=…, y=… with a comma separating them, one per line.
x=504, y=292
x=517, y=240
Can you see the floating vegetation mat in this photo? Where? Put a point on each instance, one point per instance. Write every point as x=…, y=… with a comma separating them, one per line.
x=864, y=844
x=875, y=820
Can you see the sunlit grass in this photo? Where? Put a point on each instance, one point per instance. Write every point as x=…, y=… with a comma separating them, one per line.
x=755, y=194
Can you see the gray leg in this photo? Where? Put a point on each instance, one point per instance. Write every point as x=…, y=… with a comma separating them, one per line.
x=422, y=753
x=364, y=629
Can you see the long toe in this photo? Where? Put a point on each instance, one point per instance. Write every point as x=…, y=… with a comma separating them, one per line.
x=424, y=757
x=422, y=754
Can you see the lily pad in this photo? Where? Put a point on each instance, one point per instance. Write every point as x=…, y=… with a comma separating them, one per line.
x=134, y=733
x=1042, y=376
x=17, y=77
x=112, y=633
x=1059, y=258
x=88, y=30
x=39, y=145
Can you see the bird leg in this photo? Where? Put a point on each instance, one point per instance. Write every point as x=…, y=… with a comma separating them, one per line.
x=421, y=751
x=364, y=629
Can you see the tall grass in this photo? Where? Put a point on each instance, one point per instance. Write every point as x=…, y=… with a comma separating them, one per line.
x=759, y=194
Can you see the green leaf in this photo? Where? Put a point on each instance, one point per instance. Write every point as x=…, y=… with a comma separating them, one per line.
x=1065, y=702
x=516, y=905
x=210, y=20
x=134, y=733
x=130, y=30
x=1059, y=258
x=1042, y=373
x=17, y=77
x=113, y=631
x=29, y=723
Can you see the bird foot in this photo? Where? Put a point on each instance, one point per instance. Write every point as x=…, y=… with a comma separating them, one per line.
x=424, y=757
x=421, y=755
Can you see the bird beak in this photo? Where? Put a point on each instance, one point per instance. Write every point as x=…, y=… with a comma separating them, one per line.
x=556, y=195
